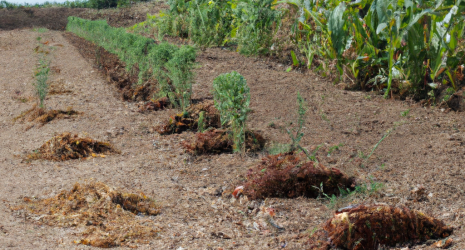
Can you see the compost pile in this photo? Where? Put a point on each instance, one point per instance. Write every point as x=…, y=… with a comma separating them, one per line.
x=372, y=226
x=292, y=175
x=203, y=113
x=218, y=141
x=43, y=117
x=107, y=216
x=67, y=146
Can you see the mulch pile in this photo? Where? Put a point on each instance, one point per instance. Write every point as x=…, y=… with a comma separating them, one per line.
x=108, y=217
x=218, y=141
x=40, y=115
x=292, y=175
x=67, y=146
x=189, y=120
x=154, y=105
x=371, y=226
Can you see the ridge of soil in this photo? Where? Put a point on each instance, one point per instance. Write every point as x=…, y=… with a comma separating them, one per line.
x=425, y=147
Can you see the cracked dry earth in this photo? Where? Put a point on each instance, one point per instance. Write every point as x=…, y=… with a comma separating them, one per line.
x=426, y=148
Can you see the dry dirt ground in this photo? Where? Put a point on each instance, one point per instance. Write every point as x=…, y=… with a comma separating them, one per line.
x=426, y=147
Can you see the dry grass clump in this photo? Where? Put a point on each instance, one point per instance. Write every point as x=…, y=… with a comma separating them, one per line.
x=204, y=111
x=219, y=141
x=67, y=146
x=40, y=115
x=107, y=216
x=291, y=175
x=371, y=226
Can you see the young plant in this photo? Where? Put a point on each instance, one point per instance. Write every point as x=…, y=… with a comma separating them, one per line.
x=41, y=77
x=232, y=99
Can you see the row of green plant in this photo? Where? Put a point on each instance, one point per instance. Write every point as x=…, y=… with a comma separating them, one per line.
x=249, y=24
x=95, y=4
x=169, y=65
x=408, y=44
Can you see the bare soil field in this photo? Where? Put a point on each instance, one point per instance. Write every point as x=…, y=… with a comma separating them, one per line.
x=425, y=148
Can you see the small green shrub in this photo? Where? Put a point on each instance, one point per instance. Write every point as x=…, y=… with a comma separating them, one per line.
x=232, y=99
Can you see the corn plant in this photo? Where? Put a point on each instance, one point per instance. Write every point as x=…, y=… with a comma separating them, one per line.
x=255, y=23
x=232, y=98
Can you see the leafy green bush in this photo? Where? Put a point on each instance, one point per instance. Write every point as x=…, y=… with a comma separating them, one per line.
x=232, y=99
x=169, y=65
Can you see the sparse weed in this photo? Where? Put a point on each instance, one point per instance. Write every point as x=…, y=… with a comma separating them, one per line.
x=405, y=113
x=346, y=196
x=336, y=147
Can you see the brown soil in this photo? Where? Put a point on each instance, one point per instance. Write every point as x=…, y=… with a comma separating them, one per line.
x=108, y=215
x=67, y=146
x=57, y=18
x=369, y=227
x=425, y=148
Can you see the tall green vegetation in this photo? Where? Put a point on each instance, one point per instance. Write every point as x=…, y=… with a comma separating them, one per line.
x=170, y=65
x=249, y=24
x=232, y=99
x=382, y=44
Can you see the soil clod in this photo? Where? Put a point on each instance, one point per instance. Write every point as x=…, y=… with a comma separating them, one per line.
x=108, y=216
x=220, y=141
x=291, y=175
x=371, y=226
x=67, y=146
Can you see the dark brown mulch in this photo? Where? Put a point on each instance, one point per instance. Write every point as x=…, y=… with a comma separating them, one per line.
x=371, y=226
x=292, y=175
x=218, y=141
x=189, y=120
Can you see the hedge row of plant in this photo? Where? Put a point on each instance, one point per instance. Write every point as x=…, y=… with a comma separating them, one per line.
x=169, y=65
